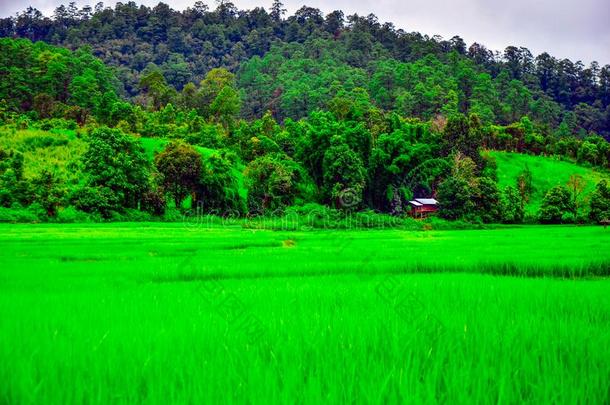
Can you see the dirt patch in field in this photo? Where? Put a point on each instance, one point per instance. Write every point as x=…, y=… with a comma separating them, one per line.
x=289, y=243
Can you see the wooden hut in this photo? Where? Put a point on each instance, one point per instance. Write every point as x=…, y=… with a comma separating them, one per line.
x=422, y=207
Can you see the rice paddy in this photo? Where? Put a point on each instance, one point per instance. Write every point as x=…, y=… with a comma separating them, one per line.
x=162, y=313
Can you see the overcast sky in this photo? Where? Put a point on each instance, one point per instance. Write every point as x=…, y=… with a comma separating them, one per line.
x=576, y=29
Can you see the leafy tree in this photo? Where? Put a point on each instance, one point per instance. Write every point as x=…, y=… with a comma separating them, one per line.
x=488, y=200
x=218, y=190
x=48, y=191
x=180, y=166
x=117, y=172
x=576, y=185
x=11, y=177
x=456, y=198
x=512, y=206
x=463, y=135
x=557, y=206
x=156, y=89
x=274, y=182
x=600, y=202
x=525, y=183
x=225, y=106
x=344, y=175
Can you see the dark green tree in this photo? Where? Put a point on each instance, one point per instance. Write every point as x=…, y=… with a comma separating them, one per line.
x=344, y=175
x=180, y=166
x=557, y=206
x=600, y=202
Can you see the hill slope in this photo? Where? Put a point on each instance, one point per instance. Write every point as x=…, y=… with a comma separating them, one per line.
x=546, y=173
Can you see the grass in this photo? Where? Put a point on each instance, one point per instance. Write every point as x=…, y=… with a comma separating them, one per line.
x=162, y=313
x=57, y=151
x=546, y=174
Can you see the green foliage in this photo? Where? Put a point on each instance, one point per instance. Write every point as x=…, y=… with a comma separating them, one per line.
x=218, y=188
x=72, y=215
x=44, y=78
x=274, y=182
x=456, y=198
x=117, y=172
x=512, y=206
x=180, y=166
x=344, y=175
x=558, y=206
x=488, y=201
x=600, y=202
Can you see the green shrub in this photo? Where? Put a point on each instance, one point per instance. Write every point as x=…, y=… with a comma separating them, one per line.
x=44, y=141
x=18, y=214
x=172, y=214
x=130, y=215
x=73, y=215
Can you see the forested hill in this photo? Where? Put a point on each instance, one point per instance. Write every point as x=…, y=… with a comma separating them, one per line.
x=295, y=64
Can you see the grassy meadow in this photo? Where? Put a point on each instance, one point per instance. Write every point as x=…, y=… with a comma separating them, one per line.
x=546, y=172
x=163, y=313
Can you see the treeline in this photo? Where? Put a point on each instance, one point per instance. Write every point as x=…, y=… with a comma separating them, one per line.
x=340, y=163
x=347, y=153
x=308, y=52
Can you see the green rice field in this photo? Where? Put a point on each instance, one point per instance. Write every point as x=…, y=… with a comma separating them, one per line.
x=172, y=314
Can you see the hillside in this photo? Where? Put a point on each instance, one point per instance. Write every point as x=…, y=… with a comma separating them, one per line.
x=292, y=65
x=299, y=125
x=546, y=173
x=57, y=151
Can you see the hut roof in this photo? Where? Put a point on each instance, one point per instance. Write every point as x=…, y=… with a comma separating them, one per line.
x=426, y=201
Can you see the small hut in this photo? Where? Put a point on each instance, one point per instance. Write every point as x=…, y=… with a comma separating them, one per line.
x=422, y=207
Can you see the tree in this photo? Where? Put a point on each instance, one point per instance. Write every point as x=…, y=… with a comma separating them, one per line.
x=577, y=185
x=218, y=189
x=273, y=183
x=225, y=106
x=180, y=167
x=344, y=175
x=456, y=198
x=587, y=153
x=218, y=89
x=488, y=200
x=117, y=172
x=11, y=177
x=48, y=192
x=512, y=206
x=463, y=135
x=525, y=183
x=156, y=88
x=600, y=202
x=43, y=105
x=277, y=10
x=557, y=206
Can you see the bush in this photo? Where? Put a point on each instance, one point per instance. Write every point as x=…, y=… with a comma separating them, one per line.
x=172, y=214
x=100, y=200
x=72, y=215
x=18, y=214
x=130, y=215
x=44, y=141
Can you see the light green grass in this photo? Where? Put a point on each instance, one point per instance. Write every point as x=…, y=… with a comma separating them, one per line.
x=546, y=173
x=61, y=160
x=126, y=313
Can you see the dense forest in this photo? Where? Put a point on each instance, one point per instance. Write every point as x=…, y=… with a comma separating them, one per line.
x=276, y=57
x=342, y=111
